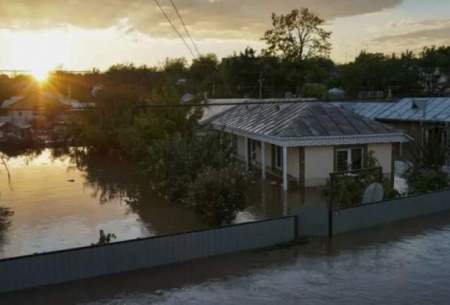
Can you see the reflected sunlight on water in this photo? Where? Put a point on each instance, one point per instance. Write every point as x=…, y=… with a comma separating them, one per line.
x=55, y=207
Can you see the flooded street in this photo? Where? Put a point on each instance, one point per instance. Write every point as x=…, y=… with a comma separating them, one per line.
x=407, y=263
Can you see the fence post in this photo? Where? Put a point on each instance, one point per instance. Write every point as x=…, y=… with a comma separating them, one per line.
x=330, y=207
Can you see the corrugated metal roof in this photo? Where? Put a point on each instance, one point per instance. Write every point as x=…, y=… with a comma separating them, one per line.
x=304, y=120
x=407, y=109
x=218, y=106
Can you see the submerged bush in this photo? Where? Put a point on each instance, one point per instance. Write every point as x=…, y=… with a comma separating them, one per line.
x=348, y=189
x=427, y=180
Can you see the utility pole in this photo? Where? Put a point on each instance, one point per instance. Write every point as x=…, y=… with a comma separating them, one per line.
x=260, y=82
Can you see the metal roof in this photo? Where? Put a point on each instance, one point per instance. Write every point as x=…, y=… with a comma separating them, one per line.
x=407, y=109
x=305, y=124
x=216, y=107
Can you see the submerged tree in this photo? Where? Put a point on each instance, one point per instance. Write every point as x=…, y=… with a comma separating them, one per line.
x=298, y=35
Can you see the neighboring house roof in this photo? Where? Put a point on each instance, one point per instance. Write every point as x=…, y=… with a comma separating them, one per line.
x=407, y=109
x=10, y=125
x=218, y=106
x=304, y=124
x=35, y=100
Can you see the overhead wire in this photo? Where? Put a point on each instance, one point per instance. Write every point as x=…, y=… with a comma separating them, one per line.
x=174, y=27
x=186, y=30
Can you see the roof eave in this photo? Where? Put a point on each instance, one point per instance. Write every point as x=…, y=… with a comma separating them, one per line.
x=397, y=137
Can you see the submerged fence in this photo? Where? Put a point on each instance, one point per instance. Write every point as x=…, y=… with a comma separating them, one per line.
x=75, y=264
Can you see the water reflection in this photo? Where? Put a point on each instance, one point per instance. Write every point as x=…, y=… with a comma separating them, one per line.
x=62, y=197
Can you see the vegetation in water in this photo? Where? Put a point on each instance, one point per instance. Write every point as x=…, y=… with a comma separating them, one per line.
x=425, y=161
x=105, y=238
x=218, y=194
x=347, y=189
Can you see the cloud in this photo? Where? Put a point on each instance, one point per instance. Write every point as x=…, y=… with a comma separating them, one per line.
x=206, y=18
x=436, y=31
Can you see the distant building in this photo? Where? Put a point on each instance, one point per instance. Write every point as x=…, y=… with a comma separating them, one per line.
x=14, y=132
x=336, y=94
x=24, y=109
x=306, y=141
x=42, y=114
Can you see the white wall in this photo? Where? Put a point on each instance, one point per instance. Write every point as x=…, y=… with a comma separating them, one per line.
x=383, y=153
x=293, y=162
x=319, y=163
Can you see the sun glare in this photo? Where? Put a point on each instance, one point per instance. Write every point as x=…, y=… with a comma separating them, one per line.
x=40, y=52
x=40, y=74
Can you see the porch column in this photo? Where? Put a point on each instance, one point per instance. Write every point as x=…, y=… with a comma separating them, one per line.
x=246, y=153
x=285, y=168
x=263, y=160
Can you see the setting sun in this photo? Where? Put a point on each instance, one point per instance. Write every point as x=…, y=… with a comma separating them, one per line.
x=40, y=74
x=39, y=52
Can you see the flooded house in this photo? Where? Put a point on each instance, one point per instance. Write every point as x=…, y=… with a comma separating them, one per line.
x=420, y=118
x=306, y=141
x=10, y=132
x=42, y=112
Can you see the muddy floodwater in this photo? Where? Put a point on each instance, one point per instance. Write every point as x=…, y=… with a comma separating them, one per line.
x=406, y=263
x=57, y=200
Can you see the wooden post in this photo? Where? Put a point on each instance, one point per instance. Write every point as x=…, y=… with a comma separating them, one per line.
x=285, y=168
x=263, y=160
x=247, y=157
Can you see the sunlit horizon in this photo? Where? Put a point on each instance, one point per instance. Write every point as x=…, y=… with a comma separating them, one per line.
x=45, y=39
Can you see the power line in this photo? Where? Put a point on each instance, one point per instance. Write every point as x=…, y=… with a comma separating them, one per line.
x=245, y=102
x=174, y=27
x=185, y=27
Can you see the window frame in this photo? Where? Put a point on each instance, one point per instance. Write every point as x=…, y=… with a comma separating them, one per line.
x=253, y=146
x=349, y=150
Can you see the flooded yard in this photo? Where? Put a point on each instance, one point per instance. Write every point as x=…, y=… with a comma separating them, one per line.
x=62, y=201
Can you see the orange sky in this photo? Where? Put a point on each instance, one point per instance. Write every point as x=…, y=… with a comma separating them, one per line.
x=43, y=34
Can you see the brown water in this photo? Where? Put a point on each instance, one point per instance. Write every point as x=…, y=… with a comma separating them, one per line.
x=61, y=200
x=407, y=263
x=58, y=205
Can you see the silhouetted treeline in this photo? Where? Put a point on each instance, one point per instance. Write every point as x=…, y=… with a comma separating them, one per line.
x=250, y=74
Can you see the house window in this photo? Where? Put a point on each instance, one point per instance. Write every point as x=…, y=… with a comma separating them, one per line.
x=278, y=157
x=349, y=159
